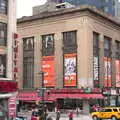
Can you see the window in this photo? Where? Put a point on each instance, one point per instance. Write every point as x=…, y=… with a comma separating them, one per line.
x=2, y=66
x=28, y=62
x=117, y=45
x=106, y=9
x=107, y=47
x=115, y=110
x=3, y=34
x=70, y=42
x=69, y=38
x=3, y=6
x=108, y=110
x=47, y=45
x=96, y=59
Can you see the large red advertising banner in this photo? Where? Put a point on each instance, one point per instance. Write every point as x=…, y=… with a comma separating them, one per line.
x=70, y=70
x=48, y=67
x=117, y=67
x=107, y=72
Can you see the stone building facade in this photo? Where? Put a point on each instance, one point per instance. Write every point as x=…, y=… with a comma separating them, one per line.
x=76, y=48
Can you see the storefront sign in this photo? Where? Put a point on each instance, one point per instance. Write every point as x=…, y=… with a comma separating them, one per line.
x=12, y=107
x=107, y=72
x=70, y=70
x=117, y=66
x=48, y=67
x=8, y=86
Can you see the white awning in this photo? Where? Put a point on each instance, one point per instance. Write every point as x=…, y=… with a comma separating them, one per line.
x=7, y=95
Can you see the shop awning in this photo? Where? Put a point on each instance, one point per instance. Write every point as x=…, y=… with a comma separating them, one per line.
x=75, y=96
x=28, y=96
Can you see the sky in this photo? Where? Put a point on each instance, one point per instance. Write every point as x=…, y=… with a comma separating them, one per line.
x=24, y=7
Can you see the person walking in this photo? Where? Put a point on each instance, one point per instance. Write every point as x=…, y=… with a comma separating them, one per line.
x=71, y=115
x=58, y=115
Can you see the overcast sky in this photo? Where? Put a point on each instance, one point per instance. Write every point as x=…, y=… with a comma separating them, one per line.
x=24, y=7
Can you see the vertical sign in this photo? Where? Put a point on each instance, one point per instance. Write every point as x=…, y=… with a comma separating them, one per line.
x=48, y=67
x=70, y=70
x=12, y=107
x=117, y=67
x=107, y=72
x=96, y=71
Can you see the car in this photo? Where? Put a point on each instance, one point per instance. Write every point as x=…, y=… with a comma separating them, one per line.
x=20, y=118
x=112, y=113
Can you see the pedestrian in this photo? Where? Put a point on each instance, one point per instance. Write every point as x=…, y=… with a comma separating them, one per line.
x=58, y=115
x=71, y=115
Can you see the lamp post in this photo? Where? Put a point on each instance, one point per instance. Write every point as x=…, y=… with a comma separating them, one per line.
x=42, y=95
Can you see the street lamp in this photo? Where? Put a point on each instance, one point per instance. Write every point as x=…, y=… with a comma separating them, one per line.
x=41, y=93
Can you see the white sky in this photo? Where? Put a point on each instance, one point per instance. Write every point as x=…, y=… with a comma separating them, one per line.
x=24, y=7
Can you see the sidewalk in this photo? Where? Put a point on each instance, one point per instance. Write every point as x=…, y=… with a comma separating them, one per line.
x=65, y=116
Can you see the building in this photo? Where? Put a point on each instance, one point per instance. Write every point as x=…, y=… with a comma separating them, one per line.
x=108, y=6
x=74, y=53
x=49, y=7
x=8, y=86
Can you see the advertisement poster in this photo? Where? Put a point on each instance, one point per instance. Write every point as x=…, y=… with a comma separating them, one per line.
x=107, y=72
x=12, y=107
x=70, y=70
x=48, y=67
x=117, y=67
x=96, y=71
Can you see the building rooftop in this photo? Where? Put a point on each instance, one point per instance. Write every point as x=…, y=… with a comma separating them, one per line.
x=91, y=9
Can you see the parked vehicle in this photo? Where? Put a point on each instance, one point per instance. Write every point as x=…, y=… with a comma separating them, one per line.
x=20, y=118
x=112, y=113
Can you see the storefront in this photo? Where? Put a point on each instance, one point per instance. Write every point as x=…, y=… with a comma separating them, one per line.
x=73, y=98
x=8, y=89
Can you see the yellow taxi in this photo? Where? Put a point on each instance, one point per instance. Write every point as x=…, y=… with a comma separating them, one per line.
x=112, y=113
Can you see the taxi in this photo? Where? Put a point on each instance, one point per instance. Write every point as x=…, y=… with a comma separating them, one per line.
x=112, y=113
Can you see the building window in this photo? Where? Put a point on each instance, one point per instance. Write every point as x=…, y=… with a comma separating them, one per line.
x=96, y=59
x=3, y=6
x=28, y=62
x=70, y=42
x=70, y=59
x=2, y=66
x=117, y=44
x=107, y=62
x=3, y=34
x=47, y=45
x=69, y=38
x=107, y=47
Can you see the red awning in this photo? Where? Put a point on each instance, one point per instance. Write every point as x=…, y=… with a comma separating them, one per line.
x=75, y=96
x=28, y=96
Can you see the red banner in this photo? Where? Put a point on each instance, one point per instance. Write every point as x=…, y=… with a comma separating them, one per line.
x=107, y=72
x=70, y=70
x=117, y=67
x=48, y=67
x=12, y=107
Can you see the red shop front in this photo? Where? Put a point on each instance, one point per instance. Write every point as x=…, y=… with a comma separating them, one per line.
x=8, y=92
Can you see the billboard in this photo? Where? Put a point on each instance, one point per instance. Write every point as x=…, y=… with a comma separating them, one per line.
x=48, y=67
x=70, y=76
x=117, y=69
x=12, y=107
x=107, y=72
x=96, y=71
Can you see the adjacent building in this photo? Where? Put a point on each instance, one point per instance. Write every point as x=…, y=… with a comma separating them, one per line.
x=8, y=86
x=108, y=6
x=74, y=53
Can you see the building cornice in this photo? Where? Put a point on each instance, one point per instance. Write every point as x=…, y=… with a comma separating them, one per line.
x=84, y=8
